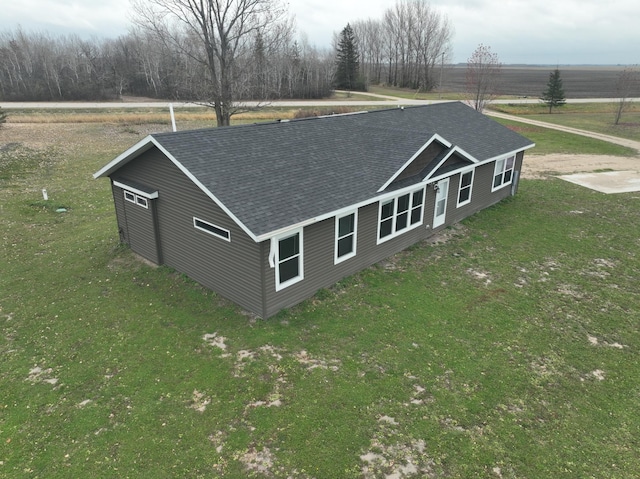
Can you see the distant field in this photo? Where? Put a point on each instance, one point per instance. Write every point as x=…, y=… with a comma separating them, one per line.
x=530, y=81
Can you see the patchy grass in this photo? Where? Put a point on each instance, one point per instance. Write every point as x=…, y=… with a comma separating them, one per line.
x=553, y=141
x=507, y=349
x=596, y=117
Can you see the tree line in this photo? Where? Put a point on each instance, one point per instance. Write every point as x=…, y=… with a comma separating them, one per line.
x=45, y=67
x=171, y=60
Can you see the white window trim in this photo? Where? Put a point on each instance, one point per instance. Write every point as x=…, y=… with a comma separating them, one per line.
x=142, y=201
x=131, y=189
x=409, y=227
x=275, y=254
x=212, y=233
x=466, y=202
x=336, y=258
x=136, y=199
x=504, y=170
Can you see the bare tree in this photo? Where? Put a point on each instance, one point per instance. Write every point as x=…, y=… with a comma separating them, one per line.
x=628, y=84
x=223, y=29
x=483, y=71
x=430, y=35
x=403, y=47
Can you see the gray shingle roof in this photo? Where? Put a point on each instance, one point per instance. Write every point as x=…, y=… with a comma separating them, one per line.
x=274, y=175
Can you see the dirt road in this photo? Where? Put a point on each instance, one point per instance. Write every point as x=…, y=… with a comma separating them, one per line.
x=541, y=166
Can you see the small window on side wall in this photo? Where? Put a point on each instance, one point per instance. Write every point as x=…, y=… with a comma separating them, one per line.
x=211, y=229
x=136, y=199
x=345, y=238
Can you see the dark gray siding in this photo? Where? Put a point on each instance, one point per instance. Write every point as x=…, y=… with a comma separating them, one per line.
x=481, y=194
x=239, y=269
x=418, y=164
x=137, y=226
x=319, y=268
x=118, y=201
x=229, y=268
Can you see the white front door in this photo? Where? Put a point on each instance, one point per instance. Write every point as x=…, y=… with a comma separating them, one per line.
x=441, y=202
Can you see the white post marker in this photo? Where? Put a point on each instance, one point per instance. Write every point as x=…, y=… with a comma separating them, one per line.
x=173, y=118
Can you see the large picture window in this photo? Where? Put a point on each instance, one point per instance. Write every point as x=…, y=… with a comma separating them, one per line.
x=400, y=214
x=503, y=172
x=288, y=264
x=345, y=246
x=464, y=191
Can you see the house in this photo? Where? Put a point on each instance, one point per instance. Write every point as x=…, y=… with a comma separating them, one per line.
x=267, y=214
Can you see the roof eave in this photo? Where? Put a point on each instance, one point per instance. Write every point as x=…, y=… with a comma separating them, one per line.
x=382, y=197
x=121, y=160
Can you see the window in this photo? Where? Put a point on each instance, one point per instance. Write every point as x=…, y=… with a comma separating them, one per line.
x=399, y=214
x=345, y=247
x=136, y=199
x=503, y=172
x=464, y=192
x=288, y=262
x=211, y=229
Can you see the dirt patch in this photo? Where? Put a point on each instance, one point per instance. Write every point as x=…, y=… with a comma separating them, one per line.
x=543, y=166
x=40, y=375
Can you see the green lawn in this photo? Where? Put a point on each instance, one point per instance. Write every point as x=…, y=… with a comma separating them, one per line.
x=509, y=350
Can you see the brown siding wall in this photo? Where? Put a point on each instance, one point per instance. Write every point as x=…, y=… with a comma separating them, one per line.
x=229, y=268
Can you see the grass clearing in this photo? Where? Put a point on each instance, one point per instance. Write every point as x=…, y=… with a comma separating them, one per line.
x=596, y=117
x=553, y=141
x=506, y=348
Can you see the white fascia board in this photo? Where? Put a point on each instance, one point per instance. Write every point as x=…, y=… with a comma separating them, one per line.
x=205, y=190
x=506, y=155
x=479, y=163
x=340, y=211
x=145, y=145
x=151, y=196
x=435, y=137
x=140, y=147
x=455, y=149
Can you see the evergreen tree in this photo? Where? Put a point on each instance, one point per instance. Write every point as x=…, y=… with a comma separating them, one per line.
x=554, y=94
x=347, y=61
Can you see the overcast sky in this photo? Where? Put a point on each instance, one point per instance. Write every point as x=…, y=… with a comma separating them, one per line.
x=519, y=31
